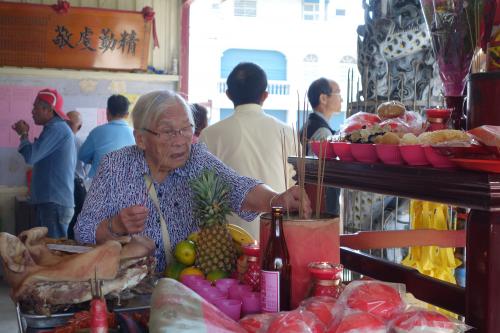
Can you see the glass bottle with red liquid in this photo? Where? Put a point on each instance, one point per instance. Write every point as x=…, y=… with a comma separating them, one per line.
x=326, y=279
x=276, y=272
x=251, y=276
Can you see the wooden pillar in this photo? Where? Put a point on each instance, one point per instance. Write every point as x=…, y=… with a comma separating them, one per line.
x=483, y=271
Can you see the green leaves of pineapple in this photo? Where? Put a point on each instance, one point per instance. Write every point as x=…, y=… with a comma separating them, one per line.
x=211, y=198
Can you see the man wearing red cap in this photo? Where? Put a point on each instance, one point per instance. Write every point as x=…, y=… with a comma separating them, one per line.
x=53, y=156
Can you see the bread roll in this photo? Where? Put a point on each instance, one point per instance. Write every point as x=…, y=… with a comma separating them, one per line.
x=439, y=136
x=391, y=109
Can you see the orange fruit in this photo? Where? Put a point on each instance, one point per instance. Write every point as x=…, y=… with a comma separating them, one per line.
x=174, y=270
x=185, y=252
x=191, y=271
x=216, y=275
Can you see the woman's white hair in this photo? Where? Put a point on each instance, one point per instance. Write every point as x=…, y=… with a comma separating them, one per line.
x=150, y=106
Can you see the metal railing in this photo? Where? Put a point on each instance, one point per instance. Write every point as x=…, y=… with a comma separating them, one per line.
x=273, y=87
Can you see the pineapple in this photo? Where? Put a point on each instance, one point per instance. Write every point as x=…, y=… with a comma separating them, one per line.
x=214, y=248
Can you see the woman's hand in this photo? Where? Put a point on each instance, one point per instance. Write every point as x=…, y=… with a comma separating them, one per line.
x=290, y=199
x=130, y=220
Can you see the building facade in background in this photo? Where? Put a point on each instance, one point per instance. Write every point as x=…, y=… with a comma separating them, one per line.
x=294, y=41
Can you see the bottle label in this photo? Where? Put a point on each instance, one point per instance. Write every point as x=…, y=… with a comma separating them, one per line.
x=270, y=291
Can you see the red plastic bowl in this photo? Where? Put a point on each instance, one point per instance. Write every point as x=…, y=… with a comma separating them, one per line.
x=436, y=159
x=389, y=154
x=413, y=155
x=364, y=152
x=343, y=151
x=326, y=149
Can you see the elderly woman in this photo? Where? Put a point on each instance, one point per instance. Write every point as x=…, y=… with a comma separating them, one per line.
x=118, y=203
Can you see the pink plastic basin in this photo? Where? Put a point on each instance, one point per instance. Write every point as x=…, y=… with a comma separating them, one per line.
x=364, y=152
x=413, y=155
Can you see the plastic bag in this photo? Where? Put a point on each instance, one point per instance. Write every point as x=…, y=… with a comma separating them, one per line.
x=297, y=321
x=359, y=322
x=420, y=321
x=176, y=308
x=321, y=306
x=378, y=298
x=487, y=134
x=410, y=122
x=258, y=323
x=357, y=121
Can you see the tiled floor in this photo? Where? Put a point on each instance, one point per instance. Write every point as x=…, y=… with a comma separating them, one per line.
x=8, y=321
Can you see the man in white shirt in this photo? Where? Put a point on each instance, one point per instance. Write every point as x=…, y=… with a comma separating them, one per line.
x=249, y=141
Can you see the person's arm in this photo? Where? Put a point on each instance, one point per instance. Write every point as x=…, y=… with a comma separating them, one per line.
x=86, y=151
x=128, y=221
x=50, y=140
x=261, y=199
x=101, y=217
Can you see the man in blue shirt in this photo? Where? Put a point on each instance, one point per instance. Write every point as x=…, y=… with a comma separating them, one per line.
x=109, y=137
x=53, y=156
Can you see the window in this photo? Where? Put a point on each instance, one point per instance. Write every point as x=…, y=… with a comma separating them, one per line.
x=272, y=62
x=310, y=10
x=278, y=114
x=311, y=58
x=347, y=59
x=340, y=12
x=246, y=8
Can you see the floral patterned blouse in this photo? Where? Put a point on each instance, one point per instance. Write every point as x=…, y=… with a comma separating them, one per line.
x=119, y=183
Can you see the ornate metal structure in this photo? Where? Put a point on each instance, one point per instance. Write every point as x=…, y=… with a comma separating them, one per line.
x=395, y=58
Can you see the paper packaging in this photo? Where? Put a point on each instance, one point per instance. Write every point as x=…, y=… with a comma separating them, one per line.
x=307, y=241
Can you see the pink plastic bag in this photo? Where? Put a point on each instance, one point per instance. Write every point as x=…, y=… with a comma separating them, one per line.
x=359, y=322
x=258, y=323
x=297, y=321
x=410, y=122
x=321, y=306
x=357, y=121
x=381, y=299
x=421, y=320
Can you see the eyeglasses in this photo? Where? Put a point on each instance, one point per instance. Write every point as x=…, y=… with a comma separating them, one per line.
x=185, y=132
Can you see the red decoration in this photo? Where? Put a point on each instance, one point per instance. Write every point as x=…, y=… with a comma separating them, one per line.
x=149, y=15
x=62, y=7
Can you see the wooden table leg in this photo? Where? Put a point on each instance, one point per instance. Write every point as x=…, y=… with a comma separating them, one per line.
x=483, y=271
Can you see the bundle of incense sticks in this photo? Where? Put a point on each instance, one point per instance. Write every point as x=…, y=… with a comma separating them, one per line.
x=300, y=146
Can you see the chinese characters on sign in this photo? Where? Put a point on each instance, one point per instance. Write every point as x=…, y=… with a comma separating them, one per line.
x=106, y=40
x=81, y=38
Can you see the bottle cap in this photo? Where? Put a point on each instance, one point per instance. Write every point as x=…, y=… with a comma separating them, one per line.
x=323, y=270
x=252, y=250
x=277, y=209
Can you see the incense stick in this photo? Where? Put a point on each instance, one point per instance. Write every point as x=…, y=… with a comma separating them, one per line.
x=318, y=180
x=348, y=83
x=415, y=70
x=352, y=89
x=365, y=88
x=285, y=163
x=357, y=95
x=321, y=187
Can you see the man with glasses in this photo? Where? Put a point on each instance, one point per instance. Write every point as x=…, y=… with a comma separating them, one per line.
x=108, y=137
x=53, y=156
x=326, y=100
